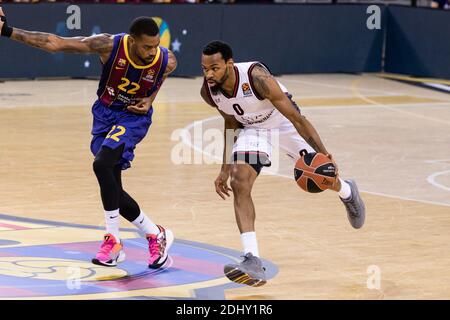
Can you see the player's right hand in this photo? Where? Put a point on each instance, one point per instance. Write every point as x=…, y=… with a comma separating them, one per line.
x=336, y=180
x=222, y=187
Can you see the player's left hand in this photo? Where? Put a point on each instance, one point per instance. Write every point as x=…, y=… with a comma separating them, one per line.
x=141, y=107
x=336, y=170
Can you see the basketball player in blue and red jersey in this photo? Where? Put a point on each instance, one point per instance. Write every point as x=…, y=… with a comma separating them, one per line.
x=252, y=101
x=134, y=68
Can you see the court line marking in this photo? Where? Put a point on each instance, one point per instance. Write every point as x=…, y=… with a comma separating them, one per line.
x=336, y=86
x=412, y=79
x=356, y=91
x=439, y=86
x=386, y=93
x=394, y=93
x=432, y=180
x=187, y=141
x=437, y=160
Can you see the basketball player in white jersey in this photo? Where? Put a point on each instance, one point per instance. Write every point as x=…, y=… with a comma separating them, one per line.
x=251, y=99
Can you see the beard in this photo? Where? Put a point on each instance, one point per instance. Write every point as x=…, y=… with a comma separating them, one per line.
x=146, y=60
x=218, y=84
x=215, y=89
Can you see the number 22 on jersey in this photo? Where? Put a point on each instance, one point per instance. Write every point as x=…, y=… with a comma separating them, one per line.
x=125, y=83
x=115, y=136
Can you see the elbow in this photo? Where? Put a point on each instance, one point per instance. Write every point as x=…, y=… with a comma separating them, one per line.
x=54, y=44
x=173, y=63
x=51, y=49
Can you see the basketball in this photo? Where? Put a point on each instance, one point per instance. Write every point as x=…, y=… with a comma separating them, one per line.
x=315, y=172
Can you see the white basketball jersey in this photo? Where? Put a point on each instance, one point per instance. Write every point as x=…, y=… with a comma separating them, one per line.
x=245, y=104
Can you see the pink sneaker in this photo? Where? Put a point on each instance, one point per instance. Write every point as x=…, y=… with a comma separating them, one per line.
x=110, y=253
x=158, y=246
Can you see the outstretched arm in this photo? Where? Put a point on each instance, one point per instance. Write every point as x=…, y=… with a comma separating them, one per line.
x=268, y=88
x=101, y=44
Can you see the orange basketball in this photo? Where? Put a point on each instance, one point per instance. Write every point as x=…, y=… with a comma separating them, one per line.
x=315, y=172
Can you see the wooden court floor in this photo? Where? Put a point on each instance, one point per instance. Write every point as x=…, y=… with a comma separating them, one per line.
x=391, y=137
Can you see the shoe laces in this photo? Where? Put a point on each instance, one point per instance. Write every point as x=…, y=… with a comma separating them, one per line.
x=247, y=258
x=107, y=246
x=353, y=208
x=153, y=245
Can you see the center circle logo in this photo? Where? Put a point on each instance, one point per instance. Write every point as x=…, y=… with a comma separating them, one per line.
x=43, y=268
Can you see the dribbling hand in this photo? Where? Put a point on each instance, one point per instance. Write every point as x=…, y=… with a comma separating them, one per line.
x=141, y=107
x=336, y=170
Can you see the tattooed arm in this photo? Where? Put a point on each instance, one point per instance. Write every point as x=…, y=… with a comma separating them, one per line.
x=101, y=44
x=268, y=88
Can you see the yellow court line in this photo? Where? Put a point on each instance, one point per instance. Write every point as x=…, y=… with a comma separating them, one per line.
x=355, y=89
x=358, y=100
x=412, y=79
x=57, y=235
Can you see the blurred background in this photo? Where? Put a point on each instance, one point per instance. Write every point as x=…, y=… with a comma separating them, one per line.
x=421, y=3
x=293, y=37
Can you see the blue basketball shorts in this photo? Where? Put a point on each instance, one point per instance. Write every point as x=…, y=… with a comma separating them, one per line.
x=114, y=128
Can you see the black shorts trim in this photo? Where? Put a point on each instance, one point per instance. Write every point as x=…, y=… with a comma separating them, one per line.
x=256, y=159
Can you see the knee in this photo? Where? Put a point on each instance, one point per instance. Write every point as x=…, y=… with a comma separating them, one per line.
x=240, y=180
x=100, y=166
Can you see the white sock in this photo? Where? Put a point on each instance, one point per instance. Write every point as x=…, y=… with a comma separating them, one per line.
x=146, y=225
x=345, y=191
x=112, y=220
x=249, y=243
